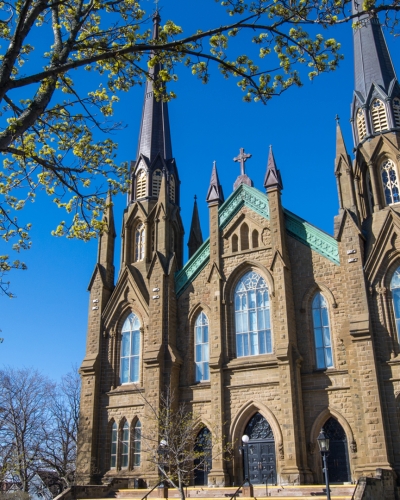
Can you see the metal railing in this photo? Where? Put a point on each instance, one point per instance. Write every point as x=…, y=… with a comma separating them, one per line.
x=152, y=489
x=234, y=496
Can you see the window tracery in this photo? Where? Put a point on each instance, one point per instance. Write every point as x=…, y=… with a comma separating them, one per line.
x=322, y=333
x=130, y=350
x=252, y=316
x=139, y=242
x=390, y=182
x=141, y=184
x=201, y=348
x=379, y=116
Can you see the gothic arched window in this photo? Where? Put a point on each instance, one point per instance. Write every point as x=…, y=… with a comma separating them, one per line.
x=244, y=236
x=141, y=184
x=139, y=242
x=390, y=182
x=361, y=127
x=130, y=350
x=156, y=182
x=125, y=445
x=395, y=289
x=396, y=111
x=235, y=243
x=254, y=238
x=172, y=189
x=201, y=348
x=322, y=332
x=114, y=443
x=252, y=316
x=379, y=117
x=137, y=444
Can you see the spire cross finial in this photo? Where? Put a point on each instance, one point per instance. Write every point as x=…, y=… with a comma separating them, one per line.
x=337, y=118
x=195, y=197
x=242, y=158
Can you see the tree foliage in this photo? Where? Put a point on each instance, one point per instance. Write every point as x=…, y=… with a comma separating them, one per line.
x=55, y=123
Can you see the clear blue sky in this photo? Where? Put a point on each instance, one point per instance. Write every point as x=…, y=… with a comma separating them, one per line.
x=45, y=326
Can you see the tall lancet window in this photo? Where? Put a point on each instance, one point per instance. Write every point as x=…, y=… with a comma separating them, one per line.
x=396, y=111
x=130, y=350
x=114, y=444
x=322, y=332
x=361, y=127
x=379, y=117
x=395, y=289
x=137, y=444
x=252, y=316
x=172, y=189
x=125, y=445
x=139, y=242
x=141, y=184
x=156, y=182
x=201, y=348
x=390, y=182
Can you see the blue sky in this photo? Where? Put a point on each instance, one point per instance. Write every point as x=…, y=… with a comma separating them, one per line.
x=45, y=326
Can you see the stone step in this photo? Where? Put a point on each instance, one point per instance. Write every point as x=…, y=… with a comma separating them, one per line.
x=338, y=492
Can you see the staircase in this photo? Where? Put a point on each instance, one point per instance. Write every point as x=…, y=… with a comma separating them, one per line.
x=306, y=492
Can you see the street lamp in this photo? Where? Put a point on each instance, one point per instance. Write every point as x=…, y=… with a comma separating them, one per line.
x=245, y=448
x=162, y=450
x=323, y=443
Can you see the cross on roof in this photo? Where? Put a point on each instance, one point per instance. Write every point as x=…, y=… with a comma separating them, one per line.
x=242, y=158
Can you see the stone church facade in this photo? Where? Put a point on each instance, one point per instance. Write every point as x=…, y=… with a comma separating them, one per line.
x=272, y=328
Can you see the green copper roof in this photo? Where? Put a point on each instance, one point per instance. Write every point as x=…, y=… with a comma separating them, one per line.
x=250, y=197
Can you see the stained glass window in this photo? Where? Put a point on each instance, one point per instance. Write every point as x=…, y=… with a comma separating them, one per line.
x=114, y=443
x=130, y=350
x=395, y=289
x=201, y=348
x=125, y=445
x=390, y=182
x=137, y=444
x=139, y=242
x=252, y=316
x=322, y=333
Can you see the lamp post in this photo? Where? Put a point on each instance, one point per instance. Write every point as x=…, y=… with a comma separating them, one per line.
x=247, y=483
x=162, y=450
x=323, y=443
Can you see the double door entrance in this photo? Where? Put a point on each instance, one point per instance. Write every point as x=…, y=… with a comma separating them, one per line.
x=261, y=451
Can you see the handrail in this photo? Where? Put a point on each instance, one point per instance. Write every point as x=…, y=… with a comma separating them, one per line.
x=233, y=497
x=152, y=489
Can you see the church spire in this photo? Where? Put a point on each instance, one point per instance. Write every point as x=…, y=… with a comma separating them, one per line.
x=372, y=61
x=215, y=193
x=272, y=176
x=195, y=236
x=155, y=136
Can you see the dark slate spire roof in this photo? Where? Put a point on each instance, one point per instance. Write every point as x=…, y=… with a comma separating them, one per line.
x=215, y=192
x=195, y=236
x=372, y=62
x=272, y=176
x=155, y=136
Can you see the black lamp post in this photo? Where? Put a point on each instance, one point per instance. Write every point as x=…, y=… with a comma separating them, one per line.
x=323, y=443
x=162, y=450
x=245, y=448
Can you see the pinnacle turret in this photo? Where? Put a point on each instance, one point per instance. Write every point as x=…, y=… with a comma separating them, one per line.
x=272, y=176
x=195, y=236
x=215, y=193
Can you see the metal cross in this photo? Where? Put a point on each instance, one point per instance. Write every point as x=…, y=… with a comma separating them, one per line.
x=242, y=158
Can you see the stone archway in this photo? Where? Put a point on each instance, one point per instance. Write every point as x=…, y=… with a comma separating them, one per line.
x=262, y=459
x=338, y=458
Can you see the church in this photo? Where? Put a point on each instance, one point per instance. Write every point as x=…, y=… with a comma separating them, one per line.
x=272, y=328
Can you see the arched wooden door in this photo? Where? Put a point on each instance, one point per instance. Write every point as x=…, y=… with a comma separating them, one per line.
x=203, y=464
x=338, y=458
x=262, y=460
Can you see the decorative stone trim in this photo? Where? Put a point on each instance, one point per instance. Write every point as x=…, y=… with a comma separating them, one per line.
x=298, y=228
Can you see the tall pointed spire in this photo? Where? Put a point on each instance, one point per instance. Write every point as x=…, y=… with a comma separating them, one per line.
x=372, y=61
x=215, y=193
x=155, y=136
x=341, y=150
x=272, y=175
x=195, y=236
